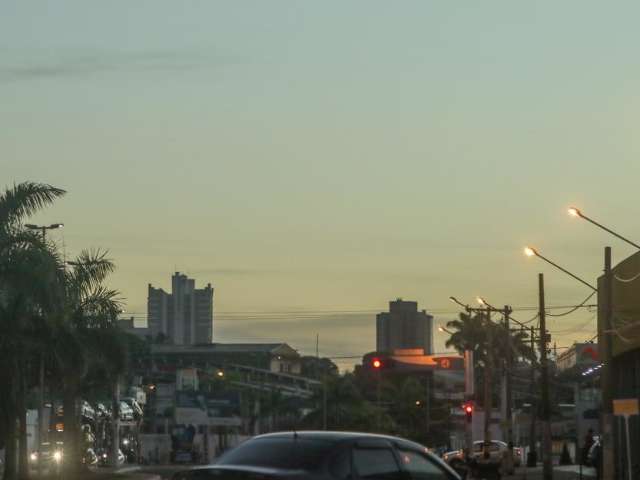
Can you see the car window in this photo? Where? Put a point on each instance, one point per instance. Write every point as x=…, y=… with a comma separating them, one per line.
x=493, y=447
x=287, y=453
x=376, y=464
x=340, y=465
x=420, y=467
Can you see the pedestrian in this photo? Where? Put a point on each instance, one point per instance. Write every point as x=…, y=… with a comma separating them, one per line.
x=507, y=461
x=588, y=443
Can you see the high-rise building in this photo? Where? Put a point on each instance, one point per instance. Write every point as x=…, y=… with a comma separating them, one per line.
x=184, y=316
x=404, y=327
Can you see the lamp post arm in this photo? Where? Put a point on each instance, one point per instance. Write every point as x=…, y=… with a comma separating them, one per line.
x=567, y=271
x=590, y=220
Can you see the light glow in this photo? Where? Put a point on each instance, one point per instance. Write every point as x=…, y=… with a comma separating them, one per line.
x=574, y=212
x=529, y=252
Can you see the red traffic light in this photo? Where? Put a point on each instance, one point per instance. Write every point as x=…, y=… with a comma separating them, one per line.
x=468, y=410
x=376, y=363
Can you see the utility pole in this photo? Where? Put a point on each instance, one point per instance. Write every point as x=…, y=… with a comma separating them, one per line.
x=608, y=384
x=508, y=375
x=324, y=383
x=545, y=411
x=532, y=456
x=488, y=368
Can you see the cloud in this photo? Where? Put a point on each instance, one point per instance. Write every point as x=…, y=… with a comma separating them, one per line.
x=39, y=66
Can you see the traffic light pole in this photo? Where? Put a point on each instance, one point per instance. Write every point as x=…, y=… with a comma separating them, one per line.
x=469, y=393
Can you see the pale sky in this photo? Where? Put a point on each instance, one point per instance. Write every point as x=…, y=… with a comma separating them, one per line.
x=329, y=155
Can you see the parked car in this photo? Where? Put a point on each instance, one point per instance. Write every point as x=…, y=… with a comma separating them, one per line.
x=134, y=406
x=456, y=459
x=324, y=455
x=103, y=458
x=87, y=411
x=126, y=414
x=102, y=411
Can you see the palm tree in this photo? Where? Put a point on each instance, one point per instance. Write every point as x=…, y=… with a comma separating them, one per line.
x=26, y=269
x=88, y=314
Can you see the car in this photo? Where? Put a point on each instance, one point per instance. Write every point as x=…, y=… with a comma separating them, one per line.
x=134, y=406
x=103, y=458
x=126, y=414
x=456, y=460
x=325, y=455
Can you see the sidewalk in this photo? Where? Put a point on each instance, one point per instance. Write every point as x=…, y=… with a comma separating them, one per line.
x=565, y=472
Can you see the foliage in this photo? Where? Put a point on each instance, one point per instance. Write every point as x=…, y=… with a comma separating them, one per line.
x=51, y=312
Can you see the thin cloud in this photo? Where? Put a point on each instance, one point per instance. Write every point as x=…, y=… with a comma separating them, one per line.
x=38, y=67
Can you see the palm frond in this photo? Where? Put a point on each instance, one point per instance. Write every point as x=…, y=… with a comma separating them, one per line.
x=25, y=199
x=91, y=268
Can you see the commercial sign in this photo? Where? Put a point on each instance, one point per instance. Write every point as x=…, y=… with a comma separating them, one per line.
x=625, y=407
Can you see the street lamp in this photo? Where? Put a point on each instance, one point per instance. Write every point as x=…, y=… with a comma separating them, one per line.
x=532, y=252
x=43, y=228
x=441, y=329
x=608, y=383
x=575, y=212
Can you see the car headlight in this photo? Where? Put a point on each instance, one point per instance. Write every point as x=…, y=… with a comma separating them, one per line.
x=57, y=456
x=33, y=457
x=125, y=441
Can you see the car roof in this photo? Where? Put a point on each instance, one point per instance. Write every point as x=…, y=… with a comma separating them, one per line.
x=334, y=436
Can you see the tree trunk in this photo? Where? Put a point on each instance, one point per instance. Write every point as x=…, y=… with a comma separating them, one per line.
x=71, y=460
x=11, y=450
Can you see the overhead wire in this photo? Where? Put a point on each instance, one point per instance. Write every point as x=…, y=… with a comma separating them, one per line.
x=580, y=305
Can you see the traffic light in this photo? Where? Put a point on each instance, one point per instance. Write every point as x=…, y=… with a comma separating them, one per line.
x=468, y=410
x=376, y=363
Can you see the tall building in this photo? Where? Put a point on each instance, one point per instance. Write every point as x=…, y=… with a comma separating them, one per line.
x=404, y=327
x=184, y=316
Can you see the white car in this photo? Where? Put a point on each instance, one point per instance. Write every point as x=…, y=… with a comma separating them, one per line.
x=455, y=459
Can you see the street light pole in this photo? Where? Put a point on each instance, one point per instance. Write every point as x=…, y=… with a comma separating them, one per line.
x=43, y=229
x=508, y=373
x=606, y=344
x=488, y=370
x=608, y=385
x=532, y=456
x=545, y=411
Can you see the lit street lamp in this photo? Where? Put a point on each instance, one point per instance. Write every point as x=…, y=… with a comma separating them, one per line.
x=574, y=212
x=441, y=329
x=532, y=252
x=608, y=384
x=44, y=228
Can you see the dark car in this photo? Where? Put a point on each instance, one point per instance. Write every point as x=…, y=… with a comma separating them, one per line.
x=324, y=455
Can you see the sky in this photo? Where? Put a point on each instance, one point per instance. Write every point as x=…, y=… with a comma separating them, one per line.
x=314, y=160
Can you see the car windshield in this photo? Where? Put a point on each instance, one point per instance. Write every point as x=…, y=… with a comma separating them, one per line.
x=285, y=453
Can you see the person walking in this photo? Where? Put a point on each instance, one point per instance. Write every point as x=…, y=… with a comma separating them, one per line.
x=507, y=461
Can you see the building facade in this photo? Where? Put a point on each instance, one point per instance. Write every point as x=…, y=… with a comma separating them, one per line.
x=404, y=327
x=184, y=316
